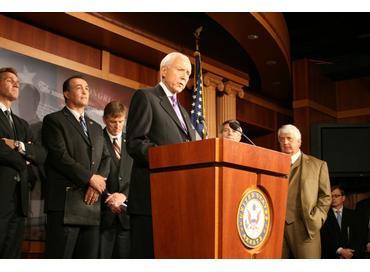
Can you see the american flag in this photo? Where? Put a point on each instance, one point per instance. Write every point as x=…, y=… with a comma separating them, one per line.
x=197, y=109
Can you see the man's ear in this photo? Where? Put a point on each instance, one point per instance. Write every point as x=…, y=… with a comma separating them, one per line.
x=66, y=94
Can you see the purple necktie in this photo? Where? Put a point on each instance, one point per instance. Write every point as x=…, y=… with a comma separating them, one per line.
x=176, y=108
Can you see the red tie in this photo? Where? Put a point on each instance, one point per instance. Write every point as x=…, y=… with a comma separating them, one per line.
x=117, y=148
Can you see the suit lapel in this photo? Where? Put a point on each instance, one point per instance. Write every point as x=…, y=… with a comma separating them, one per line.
x=306, y=167
x=18, y=128
x=124, y=156
x=69, y=116
x=166, y=105
x=188, y=123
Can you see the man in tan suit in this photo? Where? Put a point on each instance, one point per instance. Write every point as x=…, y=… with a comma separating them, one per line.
x=309, y=198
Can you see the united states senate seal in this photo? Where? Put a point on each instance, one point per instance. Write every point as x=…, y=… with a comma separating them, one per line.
x=254, y=218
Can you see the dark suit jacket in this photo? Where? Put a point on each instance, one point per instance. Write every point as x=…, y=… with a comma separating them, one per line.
x=13, y=164
x=118, y=181
x=151, y=122
x=72, y=157
x=362, y=222
x=333, y=237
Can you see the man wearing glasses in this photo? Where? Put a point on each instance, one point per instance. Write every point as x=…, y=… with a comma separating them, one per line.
x=337, y=234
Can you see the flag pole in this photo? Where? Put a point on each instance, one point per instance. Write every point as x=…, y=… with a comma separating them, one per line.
x=198, y=79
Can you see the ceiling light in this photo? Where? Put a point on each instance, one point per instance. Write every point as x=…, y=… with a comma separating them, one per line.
x=252, y=36
x=271, y=62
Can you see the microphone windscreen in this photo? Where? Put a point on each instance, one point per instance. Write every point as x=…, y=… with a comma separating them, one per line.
x=235, y=126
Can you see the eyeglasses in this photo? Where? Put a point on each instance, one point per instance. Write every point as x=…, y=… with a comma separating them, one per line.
x=336, y=196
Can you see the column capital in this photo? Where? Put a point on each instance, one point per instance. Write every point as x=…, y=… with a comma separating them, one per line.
x=232, y=88
x=213, y=80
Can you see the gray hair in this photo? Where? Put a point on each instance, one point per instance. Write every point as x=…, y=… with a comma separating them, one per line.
x=290, y=129
x=169, y=59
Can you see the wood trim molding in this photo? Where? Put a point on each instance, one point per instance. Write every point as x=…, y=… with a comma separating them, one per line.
x=70, y=64
x=353, y=113
x=303, y=103
x=91, y=19
x=266, y=104
x=336, y=114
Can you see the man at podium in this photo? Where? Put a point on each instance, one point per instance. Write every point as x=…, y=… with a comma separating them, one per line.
x=309, y=198
x=155, y=118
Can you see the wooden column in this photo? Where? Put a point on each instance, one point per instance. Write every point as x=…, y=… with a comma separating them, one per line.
x=211, y=84
x=226, y=101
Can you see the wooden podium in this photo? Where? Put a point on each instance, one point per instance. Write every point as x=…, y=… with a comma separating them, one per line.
x=197, y=190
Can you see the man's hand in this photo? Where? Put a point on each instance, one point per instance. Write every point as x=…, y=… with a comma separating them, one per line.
x=368, y=247
x=9, y=142
x=98, y=183
x=346, y=253
x=91, y=196
x=115, y=201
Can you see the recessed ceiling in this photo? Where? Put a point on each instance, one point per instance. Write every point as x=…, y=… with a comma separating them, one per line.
x=338, y=42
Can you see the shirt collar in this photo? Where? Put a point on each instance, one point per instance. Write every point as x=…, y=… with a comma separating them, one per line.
x=76, y=114
x=340, y=210
x=119, y=136
x=3, y=108
x=295, y=156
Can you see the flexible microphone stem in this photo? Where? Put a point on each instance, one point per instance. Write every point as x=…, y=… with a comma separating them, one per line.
x=237, y=128
x=248, y=139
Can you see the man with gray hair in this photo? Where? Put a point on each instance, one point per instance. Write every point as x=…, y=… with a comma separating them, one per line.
x=309, y=198
x=155, y=118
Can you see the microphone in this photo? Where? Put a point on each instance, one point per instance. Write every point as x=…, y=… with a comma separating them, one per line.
x=238, y=128
x=203, y=121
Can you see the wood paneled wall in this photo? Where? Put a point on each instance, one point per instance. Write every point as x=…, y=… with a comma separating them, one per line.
x=46, y=41
x=318, y=99
x=265, y=117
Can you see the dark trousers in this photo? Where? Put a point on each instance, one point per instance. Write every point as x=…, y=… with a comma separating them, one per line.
x=11, y=228
x=66, y=242
x=141, y=237
x=114, y=243
x=11, y=236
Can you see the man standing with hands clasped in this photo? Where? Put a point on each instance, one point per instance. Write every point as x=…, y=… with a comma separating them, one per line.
x=77, y=158
x=115, y=224
x=155, y=118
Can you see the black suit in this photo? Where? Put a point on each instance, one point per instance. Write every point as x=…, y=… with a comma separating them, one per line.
x=333, y=237
x=72, y=159
x=362, y=222
x=151, y=122
x=14, y=185
x=115, y=229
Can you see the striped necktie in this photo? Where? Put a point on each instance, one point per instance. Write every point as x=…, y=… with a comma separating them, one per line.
x=83, y=125
x=117, y=148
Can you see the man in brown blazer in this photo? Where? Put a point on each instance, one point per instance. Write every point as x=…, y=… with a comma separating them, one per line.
x=309, y=198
